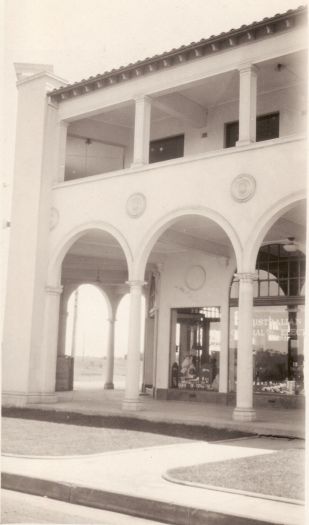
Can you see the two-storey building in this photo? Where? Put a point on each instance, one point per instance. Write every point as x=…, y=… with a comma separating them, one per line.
x=181, y=177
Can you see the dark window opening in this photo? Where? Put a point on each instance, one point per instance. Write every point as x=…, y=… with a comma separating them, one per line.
x=267, y=127
x=166, y=149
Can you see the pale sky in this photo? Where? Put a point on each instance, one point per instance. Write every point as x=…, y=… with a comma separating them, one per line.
x=83, y=38
x=86, y=38
x=92, y=326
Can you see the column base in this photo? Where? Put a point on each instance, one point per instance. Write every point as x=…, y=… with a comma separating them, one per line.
x=132, y=405
x=244, y=414
x=245, y=142
x=20, y=399
x=137, y=165
x=109, y=386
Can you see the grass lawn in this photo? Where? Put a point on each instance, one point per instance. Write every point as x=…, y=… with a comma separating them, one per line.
x=278, y=474
x=28, y=437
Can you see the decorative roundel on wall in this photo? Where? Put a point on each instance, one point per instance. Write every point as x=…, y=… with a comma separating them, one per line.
x=136, y=205
x=243, y=187
x=195, y=277
x=54, y=218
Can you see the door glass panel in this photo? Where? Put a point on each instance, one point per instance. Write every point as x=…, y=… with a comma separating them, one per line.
x=195, y=348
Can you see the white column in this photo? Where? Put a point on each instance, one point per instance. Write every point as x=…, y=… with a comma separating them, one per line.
x=74, y=328
x=142, y=131
x=131, y=399
x=244, y=393
x=247, y=105
x=109, y=378
x=224, y=350
x=48, y=355
x=63, y=318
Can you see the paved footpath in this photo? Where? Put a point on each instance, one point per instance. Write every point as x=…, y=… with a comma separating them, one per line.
x=131, y=481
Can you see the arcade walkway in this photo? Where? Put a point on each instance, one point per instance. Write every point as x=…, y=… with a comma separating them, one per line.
x=270, y=421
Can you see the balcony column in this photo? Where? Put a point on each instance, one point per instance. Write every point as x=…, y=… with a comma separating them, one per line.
x=247, y=105
x=109, y=378
x=244, y=394
x=131, y=399
x=141, y=131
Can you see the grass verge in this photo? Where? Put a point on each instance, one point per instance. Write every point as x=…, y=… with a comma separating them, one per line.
x=278, y=474
x=187, y=431
x=41, y=438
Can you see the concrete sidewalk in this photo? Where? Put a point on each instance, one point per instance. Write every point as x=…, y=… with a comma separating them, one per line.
x=131, y=481
x=270, y=421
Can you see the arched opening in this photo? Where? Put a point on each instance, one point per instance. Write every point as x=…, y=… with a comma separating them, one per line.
x=93, y=276
x=278, y=313
x=87, y=336
x=188, y=273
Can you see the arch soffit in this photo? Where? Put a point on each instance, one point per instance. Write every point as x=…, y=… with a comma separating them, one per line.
x=64, y=245
x=163, y=223
x=264, y=223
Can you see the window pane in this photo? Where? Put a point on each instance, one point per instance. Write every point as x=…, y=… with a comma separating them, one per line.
x=294, y=287
x=267, y=127
x=278, y=349
x=234, y=290
x=283, y=269
x=166, y=149
x=263, y=288
x=231, y=134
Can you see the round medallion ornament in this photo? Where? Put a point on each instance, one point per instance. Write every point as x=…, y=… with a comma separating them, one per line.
x=195, y=277
x=136, y=205
x=243, y=188
x=54, y=218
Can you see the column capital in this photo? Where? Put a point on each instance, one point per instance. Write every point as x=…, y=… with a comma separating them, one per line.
x=246, y=276
x=142, y=98
x=246, y=68
x=53, y=290
x=136, y=284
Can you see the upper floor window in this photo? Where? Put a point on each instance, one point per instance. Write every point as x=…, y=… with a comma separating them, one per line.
x=267, y=127
x=166, y=148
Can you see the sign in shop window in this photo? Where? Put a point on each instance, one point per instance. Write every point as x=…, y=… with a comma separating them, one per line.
x=278, y=349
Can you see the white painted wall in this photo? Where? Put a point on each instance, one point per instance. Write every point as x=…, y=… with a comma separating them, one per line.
x=175, y=293
x=203, y=185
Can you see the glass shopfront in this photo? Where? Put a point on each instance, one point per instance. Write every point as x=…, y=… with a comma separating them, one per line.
x=278, y=323
x=195, y=348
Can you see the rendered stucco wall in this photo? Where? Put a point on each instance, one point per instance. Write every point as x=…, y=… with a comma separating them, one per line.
x=175, y=293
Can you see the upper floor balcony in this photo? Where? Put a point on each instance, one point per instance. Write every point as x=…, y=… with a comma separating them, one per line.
x=187, y=104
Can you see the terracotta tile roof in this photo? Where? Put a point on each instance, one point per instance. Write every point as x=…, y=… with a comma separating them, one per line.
x=214, y=43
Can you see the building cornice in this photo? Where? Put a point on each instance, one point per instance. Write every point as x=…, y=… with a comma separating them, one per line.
x=227, y=40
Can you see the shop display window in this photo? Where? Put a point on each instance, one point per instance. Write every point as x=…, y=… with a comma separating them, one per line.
x=278, y=349
x=195, y=348
x=278, y=323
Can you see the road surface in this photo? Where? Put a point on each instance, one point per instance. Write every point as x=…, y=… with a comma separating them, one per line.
x=17, y=507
